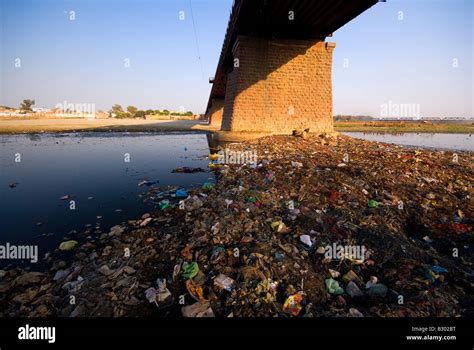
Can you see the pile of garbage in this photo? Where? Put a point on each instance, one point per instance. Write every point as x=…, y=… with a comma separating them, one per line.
x=320, y=226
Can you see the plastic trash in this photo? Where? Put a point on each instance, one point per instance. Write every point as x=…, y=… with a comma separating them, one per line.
x=438, y=269
x=373, y=280
x=355, y=313
x=279, y=226
x=161, y=296
x=353, y=290
x=306, y=240
x=190, y=270
x=145, y=222
x=333, y=287
x=293, y=305
x=195, y=290
x=181, y=193
x=351, y=276
x=208, y=186
x=378, y=290
x=198, y=309
x=225, y=283
x=296, y=164
x=372, y=203
x=68, y=245
x=188, y=170
x=164, y=204
x=146, y=183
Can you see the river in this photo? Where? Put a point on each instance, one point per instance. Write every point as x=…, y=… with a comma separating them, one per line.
x=99, y=172
x=458, y=142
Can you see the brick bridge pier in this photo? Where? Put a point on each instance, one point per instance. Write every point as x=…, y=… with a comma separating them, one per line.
x=274, y=71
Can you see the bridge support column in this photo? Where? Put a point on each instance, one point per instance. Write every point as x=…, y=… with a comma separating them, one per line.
x=279, y=85
x=214, y=114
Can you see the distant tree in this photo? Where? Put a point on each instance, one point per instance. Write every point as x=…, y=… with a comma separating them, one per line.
x=188, y=113
x=157, y=111
x=165, y=112
x=140, y=114
x=123, y=115
x=117, y=110
x=26, y=105
x=150, y=111
x=132, y=110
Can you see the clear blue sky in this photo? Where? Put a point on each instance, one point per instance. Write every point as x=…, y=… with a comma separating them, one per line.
x=82, y=61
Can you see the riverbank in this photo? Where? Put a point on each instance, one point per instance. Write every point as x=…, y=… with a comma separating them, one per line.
x=259, y=242
x=406, y=127
x=11, y=126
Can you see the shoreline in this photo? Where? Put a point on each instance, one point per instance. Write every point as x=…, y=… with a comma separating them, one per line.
x=14, y=126
x=238, y=248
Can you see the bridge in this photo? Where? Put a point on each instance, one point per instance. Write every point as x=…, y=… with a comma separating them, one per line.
x=274, y=71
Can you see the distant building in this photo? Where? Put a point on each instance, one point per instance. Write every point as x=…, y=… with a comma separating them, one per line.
x=41, y=109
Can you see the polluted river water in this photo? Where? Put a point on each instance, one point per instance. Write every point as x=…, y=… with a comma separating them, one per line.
x=57, y=185
x=458, y=142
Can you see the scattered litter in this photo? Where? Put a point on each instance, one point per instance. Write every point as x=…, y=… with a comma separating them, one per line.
x=224, y=282
x=198, y=309
x=372, y=203
x=333, y=287
x=181, y=193
x=353, y=290
x=296, y=236
x=190, y=270
x=378, y=290
x=147, y=183
x=195, y=290
x=145, y=222
x=161, y=296
x=355, y=313
x=306, y=240
x=296, y=164
x=68, y=245
x=293, y=305
x=187, y=170
x=208, y=186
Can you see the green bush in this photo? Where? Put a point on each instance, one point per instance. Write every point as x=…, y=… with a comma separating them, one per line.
x=140, y=114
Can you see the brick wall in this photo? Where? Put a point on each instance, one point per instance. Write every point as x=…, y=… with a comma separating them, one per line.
x=214, y=114
x=279, y=86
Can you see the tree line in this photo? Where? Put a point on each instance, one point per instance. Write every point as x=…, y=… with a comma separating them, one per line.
x=133, y=112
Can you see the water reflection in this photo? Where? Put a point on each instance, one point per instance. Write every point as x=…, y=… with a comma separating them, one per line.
x=461, y=142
